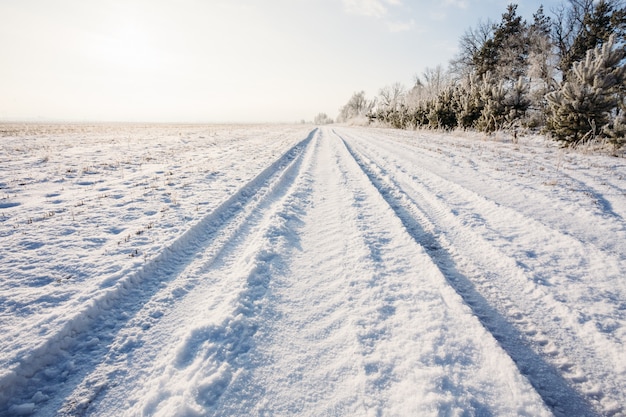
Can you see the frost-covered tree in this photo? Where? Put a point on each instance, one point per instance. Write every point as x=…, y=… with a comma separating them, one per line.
x=416, y=94
x=494, y=111
x=470, y=104
x=511, y=40
x=591, y=98
x=516, y=103
x=584, y=25
x=541, y=57
x=322, y=119
x=513, y=74
x=357, y=107
x=542, y=67
x=440, y=112
x=436, y=81
x=505, y=54
x=615, y=130
x=391, y=96
x=470, y=44
x=567, y=25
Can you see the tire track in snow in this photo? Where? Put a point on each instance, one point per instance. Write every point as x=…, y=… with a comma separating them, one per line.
x=26, y=384
x=552, y=212
x=361, y=322
x=545, y=378
x=333, y=308
x=371, y=297
x=242, y=393
x=586, y=356
x=293, y=390
x=530, y=243
x=213, y=359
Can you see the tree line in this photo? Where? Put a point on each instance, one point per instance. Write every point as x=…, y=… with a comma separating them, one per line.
x=563, y=74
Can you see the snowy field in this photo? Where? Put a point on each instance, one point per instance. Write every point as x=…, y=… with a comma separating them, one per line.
x=284, y=270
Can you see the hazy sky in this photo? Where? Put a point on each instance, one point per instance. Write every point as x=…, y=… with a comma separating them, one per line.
x=220, y=60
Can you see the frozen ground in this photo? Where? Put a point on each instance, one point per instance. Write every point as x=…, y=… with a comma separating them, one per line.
x=285, y=270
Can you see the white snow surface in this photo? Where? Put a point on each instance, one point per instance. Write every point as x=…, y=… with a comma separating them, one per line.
x=257, y=270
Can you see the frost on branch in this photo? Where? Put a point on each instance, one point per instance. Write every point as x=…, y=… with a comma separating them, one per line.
x=587, y=105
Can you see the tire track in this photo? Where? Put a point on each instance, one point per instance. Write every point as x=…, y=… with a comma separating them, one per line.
x=547, y=380
x=374, y=293
x=64, y=353
x=218, y=353
x=362, y=322
x=531, y=244
x=570, y=317
x=527, y=201
x=307, y=319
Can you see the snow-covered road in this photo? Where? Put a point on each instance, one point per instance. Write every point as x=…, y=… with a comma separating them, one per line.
x=338, y=271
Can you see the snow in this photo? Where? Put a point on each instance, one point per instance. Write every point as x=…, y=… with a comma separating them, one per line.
x=288, y=270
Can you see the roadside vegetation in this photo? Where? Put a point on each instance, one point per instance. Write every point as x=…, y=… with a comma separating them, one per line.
x=561, y=74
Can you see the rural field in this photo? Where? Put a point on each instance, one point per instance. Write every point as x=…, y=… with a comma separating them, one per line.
x=280, y=270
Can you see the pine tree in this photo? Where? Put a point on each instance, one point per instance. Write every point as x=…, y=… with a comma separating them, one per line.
x=470, y=104
x=615, y=131
x=589, y=99
x=592, y=24
x=511, y=37
x=506, y=53
x=494, y=112
x=419, y=116
x=443, y=110
x=358, y=106
x=542, y=63
x=517, y=103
